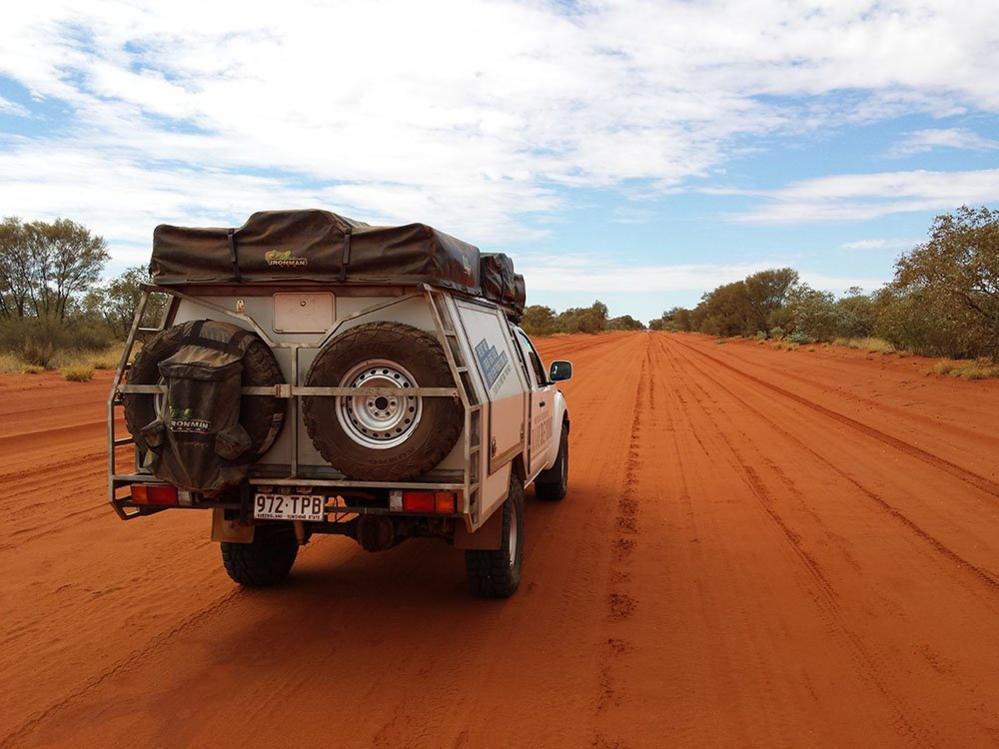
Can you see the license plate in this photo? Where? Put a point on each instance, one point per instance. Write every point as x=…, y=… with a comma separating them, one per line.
x=288, y=507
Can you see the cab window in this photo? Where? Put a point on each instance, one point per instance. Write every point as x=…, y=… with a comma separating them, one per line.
x=534, y=361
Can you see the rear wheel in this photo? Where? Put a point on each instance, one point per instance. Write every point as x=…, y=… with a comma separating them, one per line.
x=551, y=485
x=266, y=561
x=496, y=573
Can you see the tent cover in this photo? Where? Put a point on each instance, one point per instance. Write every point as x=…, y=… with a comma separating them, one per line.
x=314, y=246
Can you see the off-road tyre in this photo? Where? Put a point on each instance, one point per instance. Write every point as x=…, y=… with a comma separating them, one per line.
x=257, y=414
x=551, y=485
x=431, y=439
x=266, y=561
x=496, y=574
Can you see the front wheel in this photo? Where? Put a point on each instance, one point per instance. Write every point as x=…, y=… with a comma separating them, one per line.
x=265, y=561
x=551, y=485
x=496, y=573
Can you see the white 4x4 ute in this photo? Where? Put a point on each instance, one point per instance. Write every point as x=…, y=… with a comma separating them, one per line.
x=313, y=374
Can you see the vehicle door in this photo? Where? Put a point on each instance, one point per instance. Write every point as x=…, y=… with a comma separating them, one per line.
x=542, y=406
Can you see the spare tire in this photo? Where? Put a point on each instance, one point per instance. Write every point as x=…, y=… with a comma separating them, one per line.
x=383, y=438
x=260, y=416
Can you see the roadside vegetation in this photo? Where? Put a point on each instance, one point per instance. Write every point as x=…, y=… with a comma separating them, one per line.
x=540, y=320
x=942, y=302
x=55, y=313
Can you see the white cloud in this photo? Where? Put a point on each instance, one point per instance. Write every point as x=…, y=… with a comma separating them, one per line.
x=922, y=141
x=880, y=244
x=603, y=275
x=851, y=197
x=9, y=107
x=471, y=114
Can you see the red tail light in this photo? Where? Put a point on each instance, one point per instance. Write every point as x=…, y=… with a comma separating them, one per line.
x=154, y=494
x=440, y=502
x=418, y=501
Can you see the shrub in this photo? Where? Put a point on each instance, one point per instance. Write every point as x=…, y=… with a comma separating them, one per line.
x=761, y=335
x=777, y=333
x=32, y=369
x=800, y=338
x=10, y=364
x=78, y=374
x=38, y=351
x=977, y=369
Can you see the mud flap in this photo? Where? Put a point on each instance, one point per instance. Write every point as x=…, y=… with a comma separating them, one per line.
x=488, y=537
x=231, y=531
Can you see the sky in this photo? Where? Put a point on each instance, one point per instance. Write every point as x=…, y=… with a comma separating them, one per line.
x=639, y=153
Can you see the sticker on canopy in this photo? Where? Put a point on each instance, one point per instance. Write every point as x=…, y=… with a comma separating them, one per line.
x=284, y=259
x=493, y=364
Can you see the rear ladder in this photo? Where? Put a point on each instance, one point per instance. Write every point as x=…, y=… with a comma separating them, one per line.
x=444, y=322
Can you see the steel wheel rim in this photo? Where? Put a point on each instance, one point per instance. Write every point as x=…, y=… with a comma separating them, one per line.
x=379, y=422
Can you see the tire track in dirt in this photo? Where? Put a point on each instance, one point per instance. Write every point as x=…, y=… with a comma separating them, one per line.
x=979, y=482
x=825, y=596
x=621, y=603
x=838, y=391
x=983, y=575
x=130, y=661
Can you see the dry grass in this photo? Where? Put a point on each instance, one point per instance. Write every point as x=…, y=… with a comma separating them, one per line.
x=78, y=373
x=971, y=369
x=785, y=345
x=106, y=359
x=10, y=364
x=871, y=345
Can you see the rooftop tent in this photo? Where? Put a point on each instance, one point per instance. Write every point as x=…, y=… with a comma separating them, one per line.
x=313, y=246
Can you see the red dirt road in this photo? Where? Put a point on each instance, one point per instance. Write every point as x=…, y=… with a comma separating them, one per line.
x=758, y=548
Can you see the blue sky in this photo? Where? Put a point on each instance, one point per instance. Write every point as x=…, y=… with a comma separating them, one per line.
x=636, y=152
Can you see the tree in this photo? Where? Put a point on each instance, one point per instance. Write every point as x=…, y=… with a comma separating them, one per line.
x=956, y=274
x=592, y=319
x=766, y=293
x=855, y=314
x=813, y=312
x=727, y=310
x=16, y=283
x=625, y=322
x=538, y=320
x=116, y=301
x=64, y=259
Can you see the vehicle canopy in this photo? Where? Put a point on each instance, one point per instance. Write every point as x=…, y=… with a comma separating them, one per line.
x=316, y=246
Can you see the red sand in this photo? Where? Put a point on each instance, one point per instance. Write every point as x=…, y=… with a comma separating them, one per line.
x=758, y=548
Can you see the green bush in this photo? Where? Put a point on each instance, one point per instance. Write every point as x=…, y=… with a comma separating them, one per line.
x=800, y=338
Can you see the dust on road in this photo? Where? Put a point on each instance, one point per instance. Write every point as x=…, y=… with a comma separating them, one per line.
x=758, y=548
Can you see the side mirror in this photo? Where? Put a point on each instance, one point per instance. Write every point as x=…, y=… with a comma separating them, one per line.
x=560, y=371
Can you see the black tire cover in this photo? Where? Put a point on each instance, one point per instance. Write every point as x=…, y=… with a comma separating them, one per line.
x=257, y=414
x=431, y=439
